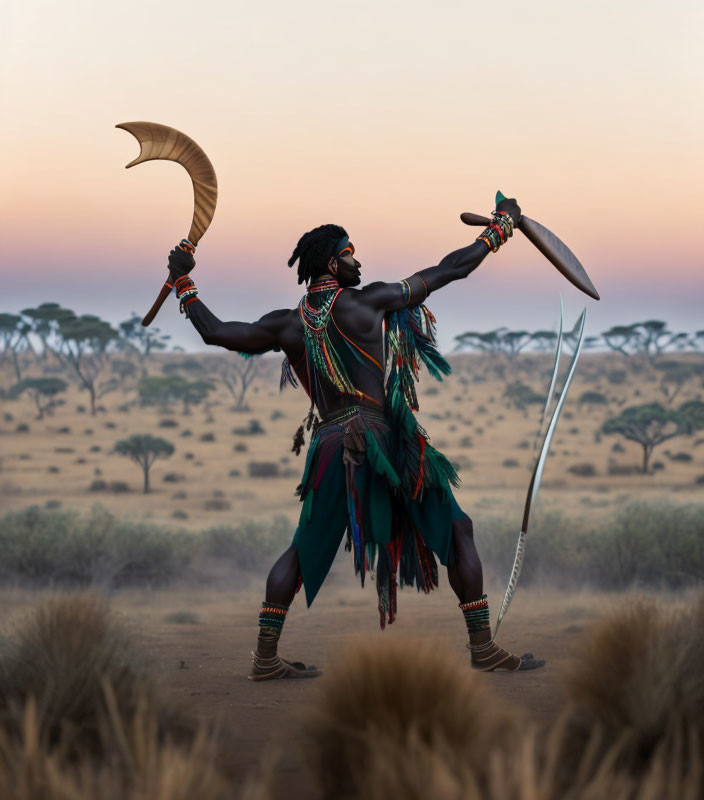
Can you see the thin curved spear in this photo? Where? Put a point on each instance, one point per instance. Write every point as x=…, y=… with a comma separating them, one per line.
x=538, y=474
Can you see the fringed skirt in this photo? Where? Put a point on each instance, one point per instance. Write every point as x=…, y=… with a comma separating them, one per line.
x=356, y=481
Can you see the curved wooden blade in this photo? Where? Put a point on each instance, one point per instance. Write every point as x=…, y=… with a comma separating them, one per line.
x=558, y=254
x=555, y=250
x=163, y=142
x=158, y=303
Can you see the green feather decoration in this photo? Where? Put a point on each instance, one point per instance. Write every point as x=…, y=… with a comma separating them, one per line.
x=379, y=461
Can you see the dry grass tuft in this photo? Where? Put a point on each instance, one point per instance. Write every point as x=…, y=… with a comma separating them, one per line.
x=142, y=765
x=61, y=656
x=387, y=708
x=639, y=681
x=80, y=719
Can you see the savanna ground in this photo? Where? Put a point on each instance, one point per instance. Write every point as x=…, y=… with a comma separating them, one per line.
x=198, y=633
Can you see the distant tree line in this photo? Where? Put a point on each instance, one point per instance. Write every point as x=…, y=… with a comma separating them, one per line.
x=100, y=359
x=651, y=338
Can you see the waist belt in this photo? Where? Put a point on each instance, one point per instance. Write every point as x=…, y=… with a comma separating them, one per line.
x=368, y=412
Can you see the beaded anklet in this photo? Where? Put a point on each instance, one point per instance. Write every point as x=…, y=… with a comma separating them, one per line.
x=476, y=615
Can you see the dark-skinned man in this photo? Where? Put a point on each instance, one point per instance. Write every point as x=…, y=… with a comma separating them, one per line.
x=370, y=469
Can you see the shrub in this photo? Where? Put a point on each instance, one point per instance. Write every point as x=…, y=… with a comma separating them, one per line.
x=96, y=448
x=593, y=399
x=699, y=480
x=622, y=469
x=119, y=487
x=276, y=414
x=180, y=495
x=53, y=469
x=98, y=486
x=234, y=473
x=263, y=469
x=584, y=470
x=65, y=430
x=22, y=428
x=208, y=437
x=685, y=458
x=217, y=504
x=510, y=462
x=64, y=450
x=254, y=428
x=185, y=433
x=173, y=477
x=168, y=423
x=617, y=447
x=179, y=514
x=63, y=548
x=617, y=377
x=182, y=618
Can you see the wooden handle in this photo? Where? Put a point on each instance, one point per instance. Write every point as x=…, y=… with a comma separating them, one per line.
x=158, y=303
x=474, y=219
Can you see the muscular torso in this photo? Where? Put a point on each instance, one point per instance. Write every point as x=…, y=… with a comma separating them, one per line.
x=358, y=314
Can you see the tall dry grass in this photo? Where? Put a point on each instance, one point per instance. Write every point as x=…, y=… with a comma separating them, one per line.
x=406, y=721
x=80, y=717
x=382, y=701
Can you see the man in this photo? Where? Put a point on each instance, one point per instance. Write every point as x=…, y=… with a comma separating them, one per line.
x=370, y=469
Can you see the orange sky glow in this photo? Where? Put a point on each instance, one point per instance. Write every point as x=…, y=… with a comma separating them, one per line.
x=388, y=118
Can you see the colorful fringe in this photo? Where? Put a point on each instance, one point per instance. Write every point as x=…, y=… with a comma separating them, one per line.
x=410, y=342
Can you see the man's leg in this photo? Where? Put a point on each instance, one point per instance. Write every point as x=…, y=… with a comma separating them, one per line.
x=280, y=590
x=466, y=579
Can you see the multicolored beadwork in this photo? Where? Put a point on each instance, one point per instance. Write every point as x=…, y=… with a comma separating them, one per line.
x=272, y=616
x=476, y=614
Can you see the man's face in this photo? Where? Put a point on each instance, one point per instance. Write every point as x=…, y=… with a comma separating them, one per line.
x=346, y=268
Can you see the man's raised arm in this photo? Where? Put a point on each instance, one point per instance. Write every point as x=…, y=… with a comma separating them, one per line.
x=244, y=337
x=454, y=266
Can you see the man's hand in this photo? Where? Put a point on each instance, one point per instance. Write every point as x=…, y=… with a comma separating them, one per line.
x=510, y=206
x=181, y=262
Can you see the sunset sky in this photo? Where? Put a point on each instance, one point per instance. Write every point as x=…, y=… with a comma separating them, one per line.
x=388, y=118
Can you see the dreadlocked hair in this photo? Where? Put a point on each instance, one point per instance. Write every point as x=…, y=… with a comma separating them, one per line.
x=314, y=251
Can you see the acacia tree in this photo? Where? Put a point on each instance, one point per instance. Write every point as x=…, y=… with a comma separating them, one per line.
x=158, y=390
x=144, y=450
x=43, y=392
x=238, y=375
x=84, y=348
x=649, y=425
x=144, y=340
x=44, y=321
x=13, y=339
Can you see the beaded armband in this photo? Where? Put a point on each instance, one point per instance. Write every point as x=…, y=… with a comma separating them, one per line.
x=500, y=229
x=186, y=292
x=407, y=290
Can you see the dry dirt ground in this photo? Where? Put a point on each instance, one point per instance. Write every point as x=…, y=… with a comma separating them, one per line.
x=203, y=664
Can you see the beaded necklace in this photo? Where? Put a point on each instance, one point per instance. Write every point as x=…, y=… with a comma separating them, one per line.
x=323, y=360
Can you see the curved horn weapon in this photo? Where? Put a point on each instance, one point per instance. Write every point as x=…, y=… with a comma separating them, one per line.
x=555, y=250
x=163, y=142
x=537, y=476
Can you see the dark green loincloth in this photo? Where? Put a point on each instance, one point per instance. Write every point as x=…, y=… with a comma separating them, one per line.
x=353, y=481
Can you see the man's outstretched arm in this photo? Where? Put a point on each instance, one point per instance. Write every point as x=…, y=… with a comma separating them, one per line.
x=454, y=266
x=244, y=337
